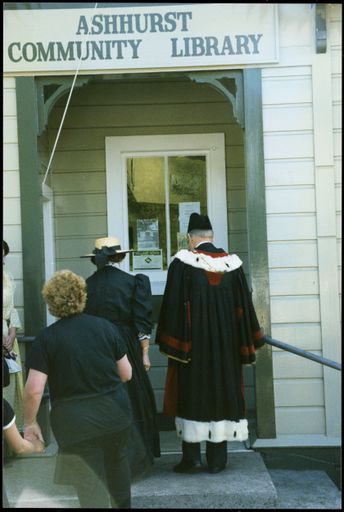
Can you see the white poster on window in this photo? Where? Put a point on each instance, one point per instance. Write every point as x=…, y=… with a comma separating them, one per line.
x=147, y=234
x=182, y=241
x=185, y=210
x=147, y=260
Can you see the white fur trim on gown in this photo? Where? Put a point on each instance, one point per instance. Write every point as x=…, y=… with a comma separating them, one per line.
x=206, y=262
x=213, y=431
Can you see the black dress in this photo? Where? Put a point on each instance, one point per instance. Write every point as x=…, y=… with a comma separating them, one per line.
x=125, y=300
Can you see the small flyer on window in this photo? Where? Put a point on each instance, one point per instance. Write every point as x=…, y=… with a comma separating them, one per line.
x=182, y=241
x=185, y=210
x=147, y=234
x=147, y=260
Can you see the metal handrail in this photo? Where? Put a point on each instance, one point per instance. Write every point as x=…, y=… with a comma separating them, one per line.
x=24, y=339
x=270, y=341
x=303, y=353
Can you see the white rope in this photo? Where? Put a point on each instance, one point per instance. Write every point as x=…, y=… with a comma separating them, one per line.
x=66, y=107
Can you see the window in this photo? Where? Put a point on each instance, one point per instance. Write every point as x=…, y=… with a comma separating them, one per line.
x=162, y=192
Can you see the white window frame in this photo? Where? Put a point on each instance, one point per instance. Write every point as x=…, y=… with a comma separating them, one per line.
x=118, y=149
x=49, y=240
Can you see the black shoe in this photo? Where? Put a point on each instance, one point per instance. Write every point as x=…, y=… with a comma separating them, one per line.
x=215, y=469
x=185, y=466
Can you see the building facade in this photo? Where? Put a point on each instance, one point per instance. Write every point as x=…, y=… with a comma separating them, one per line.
x=243, y=124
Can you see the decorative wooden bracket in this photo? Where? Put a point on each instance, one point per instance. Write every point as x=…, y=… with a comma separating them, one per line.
x=230, y=84
x=49, y=91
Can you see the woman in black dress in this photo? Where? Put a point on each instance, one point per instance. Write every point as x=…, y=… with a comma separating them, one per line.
x=126, y=301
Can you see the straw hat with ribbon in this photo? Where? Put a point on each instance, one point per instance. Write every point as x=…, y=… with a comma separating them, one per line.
x=104, y=247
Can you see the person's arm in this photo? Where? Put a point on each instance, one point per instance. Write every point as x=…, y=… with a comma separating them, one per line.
x=19, y=445
x=8, y=340
x=144, y=341
x=33, y=393
x=124, y=369
x=142, y=312
x=13, y=320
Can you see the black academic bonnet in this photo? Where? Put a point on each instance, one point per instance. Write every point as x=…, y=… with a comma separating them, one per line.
x=200, y=222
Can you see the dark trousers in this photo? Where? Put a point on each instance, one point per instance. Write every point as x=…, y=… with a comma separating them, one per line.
x=104, y=471
x=216, y=453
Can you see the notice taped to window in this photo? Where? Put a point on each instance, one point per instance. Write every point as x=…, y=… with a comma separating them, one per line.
x=185, y=210
x=147, y=260
x=147, y=234
x=182, y=241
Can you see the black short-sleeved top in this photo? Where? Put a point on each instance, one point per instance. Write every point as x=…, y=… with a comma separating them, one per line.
x=9, y=417
x=79, y=355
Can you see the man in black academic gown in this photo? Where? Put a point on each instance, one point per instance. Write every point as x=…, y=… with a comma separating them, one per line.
x=208, y=329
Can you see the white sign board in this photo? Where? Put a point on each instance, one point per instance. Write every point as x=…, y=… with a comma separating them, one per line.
x=165, y=37
x=147, y=260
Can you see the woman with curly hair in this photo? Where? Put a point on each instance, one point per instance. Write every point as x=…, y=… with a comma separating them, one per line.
x=84, y=360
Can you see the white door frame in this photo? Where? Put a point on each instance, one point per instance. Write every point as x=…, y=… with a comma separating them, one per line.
x=119, y=148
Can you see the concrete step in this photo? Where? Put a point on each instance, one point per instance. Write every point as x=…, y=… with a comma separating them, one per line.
x=245, y=483
x=28, y=482
x=308, y=489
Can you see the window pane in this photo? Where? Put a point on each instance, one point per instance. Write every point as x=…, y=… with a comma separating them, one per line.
x=146, y=210
x=188, y=184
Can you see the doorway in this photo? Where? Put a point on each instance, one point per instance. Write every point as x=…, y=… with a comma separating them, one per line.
x=153, y=185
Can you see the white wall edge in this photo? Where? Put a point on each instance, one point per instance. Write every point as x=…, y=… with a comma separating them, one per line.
x=297, y=441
